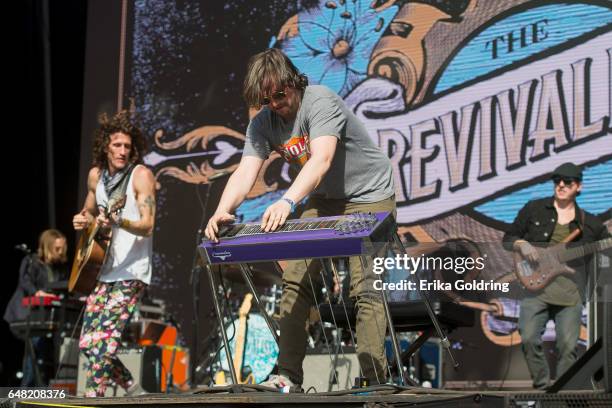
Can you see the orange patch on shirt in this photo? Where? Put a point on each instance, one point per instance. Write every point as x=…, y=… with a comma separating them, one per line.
x=296, y=150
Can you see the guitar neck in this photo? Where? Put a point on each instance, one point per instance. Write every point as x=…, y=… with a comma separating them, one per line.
x=584, y=250
x=239, y=348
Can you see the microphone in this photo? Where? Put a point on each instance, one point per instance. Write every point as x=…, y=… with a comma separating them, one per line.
x=23, y=248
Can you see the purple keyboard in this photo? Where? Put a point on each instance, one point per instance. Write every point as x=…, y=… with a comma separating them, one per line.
x=325, y=237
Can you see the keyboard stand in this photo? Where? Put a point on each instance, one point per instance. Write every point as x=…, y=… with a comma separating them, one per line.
x=354, y=227
x=394, y=343
x=416, y=345
x=434, y=320
x=246, y=273
x=228, y=350
x=31, y=353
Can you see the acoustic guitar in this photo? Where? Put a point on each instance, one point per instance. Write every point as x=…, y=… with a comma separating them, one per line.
x=91, y=253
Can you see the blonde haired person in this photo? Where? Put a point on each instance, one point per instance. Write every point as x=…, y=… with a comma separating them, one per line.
x=36, y=272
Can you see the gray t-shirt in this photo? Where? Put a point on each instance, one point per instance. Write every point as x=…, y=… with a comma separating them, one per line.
x=359, y=172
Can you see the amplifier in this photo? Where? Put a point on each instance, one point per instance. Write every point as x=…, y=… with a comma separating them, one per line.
x=68, y=359
x=145, y=364
x=318, y=371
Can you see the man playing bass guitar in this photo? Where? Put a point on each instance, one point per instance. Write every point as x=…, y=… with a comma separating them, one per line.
x=542, y=223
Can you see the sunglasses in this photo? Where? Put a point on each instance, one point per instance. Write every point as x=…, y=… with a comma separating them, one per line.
x=566, y=180
x=276, y=96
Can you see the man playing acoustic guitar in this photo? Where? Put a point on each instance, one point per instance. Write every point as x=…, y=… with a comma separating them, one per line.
x=545, y=222
x=116, y=176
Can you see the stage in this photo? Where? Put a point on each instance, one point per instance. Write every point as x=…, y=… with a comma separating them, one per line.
x=382, y=396
x=459, y=113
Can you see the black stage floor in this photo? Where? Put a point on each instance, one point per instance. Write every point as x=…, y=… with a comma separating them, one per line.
x=375, y=397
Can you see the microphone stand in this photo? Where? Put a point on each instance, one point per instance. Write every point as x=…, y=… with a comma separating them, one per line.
x=29, y=347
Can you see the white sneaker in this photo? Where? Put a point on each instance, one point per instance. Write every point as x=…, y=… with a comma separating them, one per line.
x=135, y=390
x=284, y=384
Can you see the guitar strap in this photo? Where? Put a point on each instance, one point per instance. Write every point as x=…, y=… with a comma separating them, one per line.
x=119, y=190
x=577, y=231
x=115, y=195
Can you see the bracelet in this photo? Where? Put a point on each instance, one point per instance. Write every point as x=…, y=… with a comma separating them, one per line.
x=291, y=203
x=123, y=223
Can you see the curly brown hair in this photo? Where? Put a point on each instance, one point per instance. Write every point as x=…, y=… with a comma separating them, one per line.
x=121, y=122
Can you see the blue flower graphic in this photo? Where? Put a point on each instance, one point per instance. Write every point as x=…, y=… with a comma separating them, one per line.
x=335, y=40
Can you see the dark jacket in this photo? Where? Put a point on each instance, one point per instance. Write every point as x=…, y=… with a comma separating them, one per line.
x=33, y=276
x=536, y=222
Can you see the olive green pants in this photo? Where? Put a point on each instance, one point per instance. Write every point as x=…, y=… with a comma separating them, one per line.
x=299, y=279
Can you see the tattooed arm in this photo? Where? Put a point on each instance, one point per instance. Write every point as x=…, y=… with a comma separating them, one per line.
x=144, y=186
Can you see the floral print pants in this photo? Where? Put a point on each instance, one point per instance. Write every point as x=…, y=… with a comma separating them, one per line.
x=108, y=310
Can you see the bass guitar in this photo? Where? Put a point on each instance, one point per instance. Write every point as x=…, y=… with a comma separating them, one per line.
x=551, y=263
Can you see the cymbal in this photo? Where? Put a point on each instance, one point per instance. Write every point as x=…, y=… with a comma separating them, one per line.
x=263, y=274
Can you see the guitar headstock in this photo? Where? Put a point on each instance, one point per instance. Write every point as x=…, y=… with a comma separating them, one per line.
x=246, y=305
x=114, y=206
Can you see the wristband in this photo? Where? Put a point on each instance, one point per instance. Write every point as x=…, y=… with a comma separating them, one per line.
x=123, y=223
x=291, y=203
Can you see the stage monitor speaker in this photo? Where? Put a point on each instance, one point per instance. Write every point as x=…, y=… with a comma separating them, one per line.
x=593, y=369
x=318, y=371
x=143, y=362
x=68, y=359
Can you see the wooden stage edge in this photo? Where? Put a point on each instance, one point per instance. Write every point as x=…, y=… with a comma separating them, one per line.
x=383, y=396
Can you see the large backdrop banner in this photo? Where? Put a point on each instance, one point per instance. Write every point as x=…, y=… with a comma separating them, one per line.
x=474, y=101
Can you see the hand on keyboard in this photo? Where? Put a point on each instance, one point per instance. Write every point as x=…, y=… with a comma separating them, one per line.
x=215, y=223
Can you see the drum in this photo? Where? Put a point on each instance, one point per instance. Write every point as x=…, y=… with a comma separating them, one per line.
x=260, y=348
